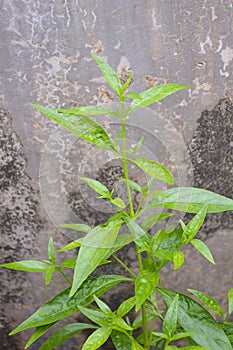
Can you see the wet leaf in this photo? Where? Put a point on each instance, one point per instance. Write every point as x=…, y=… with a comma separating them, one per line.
x=125, y=307
x=145, y=283
x=121, y=341
x=150, y=220
x=178, y=259
x=140, y=237
x=39, y=331
x=27, y=265
x=170, y=319
x=203, y=249
x=97, y=338
x=207, y=300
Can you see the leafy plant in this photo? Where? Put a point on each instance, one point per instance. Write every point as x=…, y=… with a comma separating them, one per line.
x=183, y=317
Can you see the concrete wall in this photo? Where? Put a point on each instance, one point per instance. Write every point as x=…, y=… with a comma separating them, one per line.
x=46, y=58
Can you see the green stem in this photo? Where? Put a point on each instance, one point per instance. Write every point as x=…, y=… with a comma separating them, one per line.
x=125, y=266
x=65, y=276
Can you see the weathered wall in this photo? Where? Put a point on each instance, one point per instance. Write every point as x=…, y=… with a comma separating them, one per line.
x=46, y=58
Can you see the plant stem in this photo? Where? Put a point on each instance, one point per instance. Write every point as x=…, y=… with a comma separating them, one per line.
x=65, y=276
x=125, y=266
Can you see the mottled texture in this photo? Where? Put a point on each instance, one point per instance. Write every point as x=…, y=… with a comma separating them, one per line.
x=46, y=58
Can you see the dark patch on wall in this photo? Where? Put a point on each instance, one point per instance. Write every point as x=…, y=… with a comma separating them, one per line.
x=211, y=153
x=19, y=224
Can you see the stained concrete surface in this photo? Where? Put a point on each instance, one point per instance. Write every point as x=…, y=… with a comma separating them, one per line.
x=46, y=58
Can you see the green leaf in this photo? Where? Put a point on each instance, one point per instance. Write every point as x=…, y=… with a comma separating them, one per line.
x=145, y=283
x=51, y=252
x=94, y=249
x=121, y=341
x=97, y=338
x=181, y=335
x=127, y=83
x=97, y=186
x=79, y=125
x=195, y=224
x=97, y=316
x=39, y=331
x=140, y=237
x=120, y=324
x=49, y=273
x=68, y=263
x=156, y=93
x=170, y=320
x=154, y=169
x=230, y=301
x=166, y=240
x=203, y=249
x=72, y=245
x=150, y=220
x=125, y=307
x=193, y=347
x=191, y=200
x=133, y=185
x=210, y=302
x=178, y=259
x=138, y=145
x=103, y=307
x=138, y=320
x=136, y=346
x=134, y=95
x=193, y=317
x=78, y=227
x=64, y=333
x=87, y=110
x=109, y=75
x=228, y=330
x=62, y=305
x=26, y=265
x=118, y=202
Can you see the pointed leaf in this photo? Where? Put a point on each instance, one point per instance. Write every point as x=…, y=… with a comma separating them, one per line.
x=156, y=93
x=210, y=302
x=87, y=110
x=150, y=220
x=72, y=245
x=178, y=259
x=203, y=249
x=134, y=95
x=68, y=263
x=97, y=316
x=132, y=184
x=79, y=125
x=127, y=83
x=154, y=169
x=39, y=331
x=62, y=305
x=97, y=338
x=94, y=249
x=64, y=333
x=121, y=341
x=170, y=320
x=191, y=200
x=193, y=317
x=103, y=306
x=145, y=283
x=26, y=265
x=51, y=252
x=138, y=145
x=195, y=224
x=49, y=274
x=96, y=186
x=228, y=330
x=136, y=346
x=181, y=335
x=125, y=307
x=78, y=227
x=230, y=301
x=166, y=240
x=140, y=237
x=109, y=74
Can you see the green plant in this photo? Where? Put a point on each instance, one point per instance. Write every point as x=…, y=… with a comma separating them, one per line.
x=184, y=317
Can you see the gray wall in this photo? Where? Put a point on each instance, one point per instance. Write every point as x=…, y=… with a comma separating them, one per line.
x=46, y=58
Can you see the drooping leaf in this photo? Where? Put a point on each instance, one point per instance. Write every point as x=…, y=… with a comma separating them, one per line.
x=125, y=307
x=26, y=265
x=154, y=169
x=191, y=200
x=134, y=185
x=150, y=220
x=96, y=186
x=80, y=126
x=64, y=333
x=121, y=341
x=78, y=227
x=178, y=259
x=49, y=273
x=145, y=283
x=94, y=249
x=207, y=300
x=230, y=301
x=156, y=93
x=51, y=252
x=62, y=305
x=97, y=338
x=39, y=331
x=193, y=317
x=87, y=110
x=109, y=74
x=140, y=237
x=170, y=319
x=203, y=249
